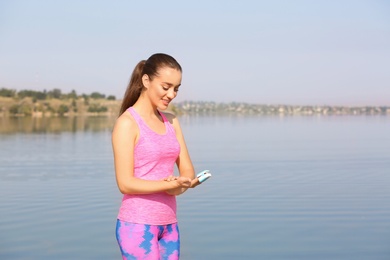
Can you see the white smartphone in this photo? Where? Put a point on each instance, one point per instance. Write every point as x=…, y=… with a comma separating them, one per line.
x=203, y=176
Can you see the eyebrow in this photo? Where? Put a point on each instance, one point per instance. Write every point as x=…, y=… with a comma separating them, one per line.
x=171, y=85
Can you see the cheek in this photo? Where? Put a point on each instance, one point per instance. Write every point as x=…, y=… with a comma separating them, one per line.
x=160, y=92
x=156, y=90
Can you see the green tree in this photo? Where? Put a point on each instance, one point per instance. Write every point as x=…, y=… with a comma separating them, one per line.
x=55, y=93
x=22, y=109
x=97, y=95
x=74, y=105
x=63, y=109
x=40, y=95
x=4, y=92
x=72, y=94
x=37, y=95
x=94, y=108
x=86, y=99
x=14, y=109
x=25, y=110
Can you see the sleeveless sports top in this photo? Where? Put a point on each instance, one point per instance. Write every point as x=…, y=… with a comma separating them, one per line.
x=154, y=159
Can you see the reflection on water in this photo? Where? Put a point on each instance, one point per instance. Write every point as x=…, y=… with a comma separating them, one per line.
x=9, y=125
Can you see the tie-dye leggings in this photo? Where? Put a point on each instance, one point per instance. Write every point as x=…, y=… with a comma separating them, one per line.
x=140, y=241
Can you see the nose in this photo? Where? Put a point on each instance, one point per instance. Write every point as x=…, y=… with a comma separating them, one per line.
x=171, y=93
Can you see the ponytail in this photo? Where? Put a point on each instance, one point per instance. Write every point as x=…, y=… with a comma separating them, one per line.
x=134, y=88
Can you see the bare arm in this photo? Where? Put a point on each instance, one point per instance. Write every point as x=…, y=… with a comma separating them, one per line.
x=124, y=138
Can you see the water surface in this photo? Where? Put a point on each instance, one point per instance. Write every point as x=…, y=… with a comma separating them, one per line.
x=282, y=188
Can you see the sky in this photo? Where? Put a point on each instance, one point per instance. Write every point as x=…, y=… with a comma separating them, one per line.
x=301, y=52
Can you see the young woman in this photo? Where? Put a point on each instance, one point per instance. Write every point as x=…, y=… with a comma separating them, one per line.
x=147, y=143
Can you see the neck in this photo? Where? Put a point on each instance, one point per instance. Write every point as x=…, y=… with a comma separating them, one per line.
x=144, y=107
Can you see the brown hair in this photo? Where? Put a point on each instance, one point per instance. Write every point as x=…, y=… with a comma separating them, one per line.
x=149, y=67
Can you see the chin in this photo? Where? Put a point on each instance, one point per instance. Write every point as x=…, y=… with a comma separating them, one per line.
x=162, y=107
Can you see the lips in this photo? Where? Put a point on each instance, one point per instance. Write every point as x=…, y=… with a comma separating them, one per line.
x=166, y=102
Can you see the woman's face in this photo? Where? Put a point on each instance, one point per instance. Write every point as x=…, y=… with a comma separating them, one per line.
x=163, y=88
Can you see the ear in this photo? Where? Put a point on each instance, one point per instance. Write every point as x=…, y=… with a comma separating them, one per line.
x=145, y=80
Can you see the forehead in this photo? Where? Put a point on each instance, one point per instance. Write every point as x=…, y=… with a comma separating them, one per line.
x=169, y=75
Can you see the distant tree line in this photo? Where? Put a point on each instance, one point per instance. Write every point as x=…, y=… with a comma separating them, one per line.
x=54, y=93
x=42, y=101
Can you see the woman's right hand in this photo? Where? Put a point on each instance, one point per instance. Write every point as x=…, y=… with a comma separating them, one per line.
x=181, y=184
x=181, y=181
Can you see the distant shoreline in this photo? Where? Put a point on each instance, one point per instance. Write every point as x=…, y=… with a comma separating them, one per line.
x=261, y=109
x=80, y=107
x=69, y=107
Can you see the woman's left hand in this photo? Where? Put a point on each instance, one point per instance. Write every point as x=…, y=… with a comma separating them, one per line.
x=195, y=182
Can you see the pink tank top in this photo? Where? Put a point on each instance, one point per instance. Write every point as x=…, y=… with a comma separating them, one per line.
x=154, y=159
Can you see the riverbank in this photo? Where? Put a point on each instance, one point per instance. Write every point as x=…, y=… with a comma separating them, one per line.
x=82, y=106
x=243, y=108
x=28, y=106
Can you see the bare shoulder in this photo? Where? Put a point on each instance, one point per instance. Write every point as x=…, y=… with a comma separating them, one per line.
x=125, y=123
